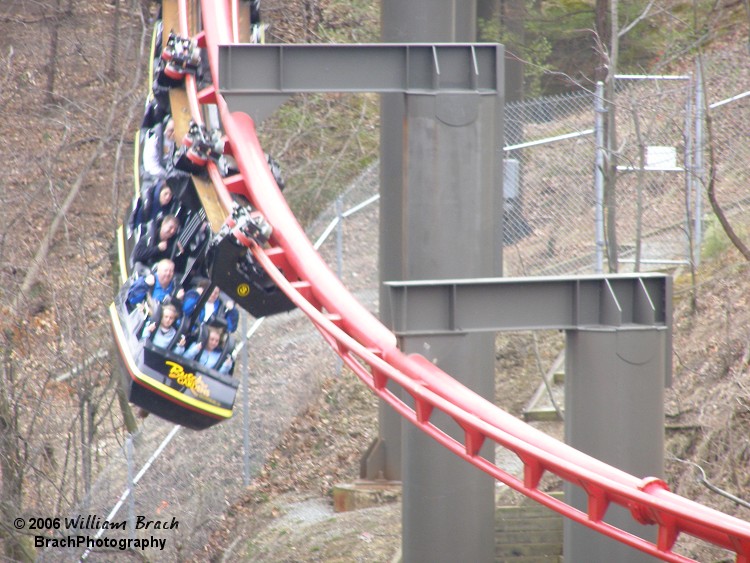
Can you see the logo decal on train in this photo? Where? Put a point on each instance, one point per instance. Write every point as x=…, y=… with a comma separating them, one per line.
x=193, y=382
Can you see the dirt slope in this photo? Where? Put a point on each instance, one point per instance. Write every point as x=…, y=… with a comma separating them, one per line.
x=285, y=515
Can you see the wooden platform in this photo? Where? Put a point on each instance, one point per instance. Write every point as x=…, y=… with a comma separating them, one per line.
x=541, y=405
x=214, y=212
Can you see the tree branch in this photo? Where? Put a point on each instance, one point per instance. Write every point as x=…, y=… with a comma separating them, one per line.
x=641, y=17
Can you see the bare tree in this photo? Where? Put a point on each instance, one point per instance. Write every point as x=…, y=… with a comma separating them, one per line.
x=17, y=546
x=609, y=33
x=54, y=43
x=711, y=148
x=115, y=42
x=610, y=130
x=50, y=431
x=711, y=182
x=640, y=184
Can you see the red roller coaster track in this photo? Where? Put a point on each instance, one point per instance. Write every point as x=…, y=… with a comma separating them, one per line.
x=369, y=350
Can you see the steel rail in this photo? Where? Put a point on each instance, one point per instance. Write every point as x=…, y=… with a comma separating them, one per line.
x=369, y=350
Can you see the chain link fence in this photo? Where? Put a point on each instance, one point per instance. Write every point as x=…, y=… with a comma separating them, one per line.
x=554, y=208
x=655, y=141
x=548, y=185
x=554, y=200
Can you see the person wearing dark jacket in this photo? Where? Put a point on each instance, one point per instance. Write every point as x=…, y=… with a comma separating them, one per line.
x=158, y=244
x=155, y=204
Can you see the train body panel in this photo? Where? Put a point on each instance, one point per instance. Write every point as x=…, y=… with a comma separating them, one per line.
x=233, y=269
x=166, y=384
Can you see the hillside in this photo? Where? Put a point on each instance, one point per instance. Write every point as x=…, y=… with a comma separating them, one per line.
x=69, y=430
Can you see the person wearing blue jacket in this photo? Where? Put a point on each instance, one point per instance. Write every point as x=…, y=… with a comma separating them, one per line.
x=214, y=307
x=209, y=355
x=154, y=288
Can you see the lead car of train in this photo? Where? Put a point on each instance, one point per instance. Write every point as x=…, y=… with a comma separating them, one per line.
x=160, y=379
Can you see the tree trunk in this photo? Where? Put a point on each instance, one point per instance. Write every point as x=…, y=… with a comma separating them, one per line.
x=513, y=19
x=601, y=13
x=86, y=438
x=131, y=424
x=610, y=171
x=54, y=41
x=505, y=21
x=115, y=42
x=639, y=188
x=488, y=9
x=17, y=547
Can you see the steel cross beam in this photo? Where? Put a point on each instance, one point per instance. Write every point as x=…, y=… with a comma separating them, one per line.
x=434, y=307
x=618, y=351
x=256, y=79
x=499, y=304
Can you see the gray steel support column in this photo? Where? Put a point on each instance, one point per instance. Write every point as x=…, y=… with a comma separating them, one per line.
x=415, y=21
x=448, y=505
x=614, y=411
x=400, y=22
x=437, y=211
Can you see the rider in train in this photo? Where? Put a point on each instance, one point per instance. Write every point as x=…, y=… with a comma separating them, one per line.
x=154, y=287
x=161, y=329
x=209, y=352
x=158, y=203
x=213, y=308
x=159, y=242
x=158, y=150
